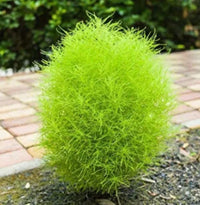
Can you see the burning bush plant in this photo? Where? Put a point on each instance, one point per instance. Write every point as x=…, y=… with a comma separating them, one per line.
x=105, y=104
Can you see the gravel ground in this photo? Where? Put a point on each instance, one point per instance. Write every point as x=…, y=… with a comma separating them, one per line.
x=175, y=180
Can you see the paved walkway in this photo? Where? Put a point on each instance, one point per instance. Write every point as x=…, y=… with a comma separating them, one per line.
x=18, y=105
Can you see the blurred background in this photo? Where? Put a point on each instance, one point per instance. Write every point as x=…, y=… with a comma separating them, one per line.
x=29, y=26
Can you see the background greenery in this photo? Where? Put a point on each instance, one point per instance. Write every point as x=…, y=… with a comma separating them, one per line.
x=29, y=26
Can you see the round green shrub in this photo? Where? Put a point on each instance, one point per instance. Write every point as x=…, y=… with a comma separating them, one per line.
x=105, y=104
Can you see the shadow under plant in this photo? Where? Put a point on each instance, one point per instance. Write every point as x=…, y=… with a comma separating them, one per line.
x=175, y=180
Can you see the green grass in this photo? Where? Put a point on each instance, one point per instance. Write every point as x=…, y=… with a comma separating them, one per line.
x=105, y=104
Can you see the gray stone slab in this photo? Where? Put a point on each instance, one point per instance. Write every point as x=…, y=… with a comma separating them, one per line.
x=21, y=167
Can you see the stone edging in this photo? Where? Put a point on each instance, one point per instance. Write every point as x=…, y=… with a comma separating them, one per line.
x=21, y=167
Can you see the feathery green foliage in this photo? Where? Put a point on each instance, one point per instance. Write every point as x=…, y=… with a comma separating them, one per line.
x=105, y=105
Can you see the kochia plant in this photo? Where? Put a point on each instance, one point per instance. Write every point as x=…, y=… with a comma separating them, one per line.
x=105, y=104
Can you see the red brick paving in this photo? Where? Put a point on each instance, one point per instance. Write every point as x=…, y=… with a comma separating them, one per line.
x=187, y=116
x=195, y=87
x=12, y=107
x=182, y=109
x=19, y=121
x=19, y=126
x=9, y=145
x=17, y=113
x=36, y=152
x=29, y=140
x=4, y=135
x=189, y=96
x=24, y=129
x=194, y=104
x=8, y=102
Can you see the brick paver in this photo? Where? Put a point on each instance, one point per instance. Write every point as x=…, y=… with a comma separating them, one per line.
x=194, y=104
x=15, y=106
x=182, y=109
x=17, y=113
x=4, y=135
x=19, y=121
x=8, y=102
x=27, y=97
x=36, y=152
x=24, y=129
x=9, y=145
x=195, y=87
x=29, y=140
x=189, y=96
x=187, y=116
x=2, y=95
x=19, y=126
